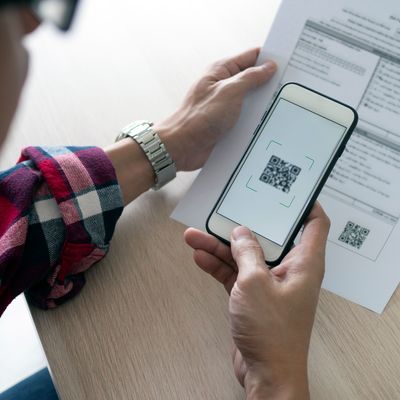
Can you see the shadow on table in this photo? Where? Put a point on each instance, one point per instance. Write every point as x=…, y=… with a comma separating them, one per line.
x=38, y=386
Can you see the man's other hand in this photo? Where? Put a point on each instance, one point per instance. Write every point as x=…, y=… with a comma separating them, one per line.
x=271, y=310
x=211, y=108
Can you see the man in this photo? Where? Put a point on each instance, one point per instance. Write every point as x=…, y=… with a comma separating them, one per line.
x=272, y=311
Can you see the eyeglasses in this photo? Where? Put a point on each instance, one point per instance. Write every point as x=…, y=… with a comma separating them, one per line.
x=58, y=12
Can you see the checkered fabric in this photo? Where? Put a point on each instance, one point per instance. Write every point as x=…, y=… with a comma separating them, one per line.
x=58, y=210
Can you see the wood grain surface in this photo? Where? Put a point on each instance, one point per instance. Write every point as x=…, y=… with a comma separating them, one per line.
x=149, y=325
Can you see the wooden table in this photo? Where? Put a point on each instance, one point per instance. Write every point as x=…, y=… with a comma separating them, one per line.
x=148, y=324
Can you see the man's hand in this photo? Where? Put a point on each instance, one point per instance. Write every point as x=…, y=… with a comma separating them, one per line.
x=271, y=311
x=211, y=108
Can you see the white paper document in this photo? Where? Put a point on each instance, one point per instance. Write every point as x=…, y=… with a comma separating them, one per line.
x=349, y=50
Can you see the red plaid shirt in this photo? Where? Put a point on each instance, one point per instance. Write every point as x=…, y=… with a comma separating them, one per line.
x=58, y=210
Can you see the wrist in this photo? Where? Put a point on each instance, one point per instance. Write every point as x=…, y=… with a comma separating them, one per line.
x=279, y=385
x=134, y=172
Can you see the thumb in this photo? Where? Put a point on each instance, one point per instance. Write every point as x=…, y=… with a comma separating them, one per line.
x=253, y=77
x=247, y=254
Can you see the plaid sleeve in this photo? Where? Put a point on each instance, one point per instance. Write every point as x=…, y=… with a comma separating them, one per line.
x=59, y=207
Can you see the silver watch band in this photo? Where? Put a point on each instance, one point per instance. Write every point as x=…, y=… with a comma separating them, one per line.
x=162, y=163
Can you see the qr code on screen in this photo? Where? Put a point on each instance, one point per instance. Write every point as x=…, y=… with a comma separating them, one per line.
x=354, y=235
x=280, y=174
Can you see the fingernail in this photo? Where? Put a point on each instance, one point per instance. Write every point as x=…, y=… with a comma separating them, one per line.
x=241, y=232
x=270, y=65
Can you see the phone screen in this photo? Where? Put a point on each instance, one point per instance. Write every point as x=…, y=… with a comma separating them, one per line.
x=280, y=171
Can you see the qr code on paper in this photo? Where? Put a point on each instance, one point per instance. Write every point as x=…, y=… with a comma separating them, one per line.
x=354, y=235
x=280, y=174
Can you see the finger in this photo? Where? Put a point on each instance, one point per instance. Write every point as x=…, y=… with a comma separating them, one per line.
x=228, y=67
x=199, y=240
x=316, y=229
x=253, y=77
x=307, y=260
x=248, y=255
x=217, y=268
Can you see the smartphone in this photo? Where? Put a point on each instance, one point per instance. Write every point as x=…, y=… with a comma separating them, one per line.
x=274, y=186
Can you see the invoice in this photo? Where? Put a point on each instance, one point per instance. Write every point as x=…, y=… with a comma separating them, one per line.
x=349, y=50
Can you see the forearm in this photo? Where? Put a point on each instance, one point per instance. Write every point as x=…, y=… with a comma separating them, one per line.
x=60, y=206
x=134, y=172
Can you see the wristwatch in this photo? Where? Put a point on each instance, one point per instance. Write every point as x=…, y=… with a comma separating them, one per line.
x=159, y=158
